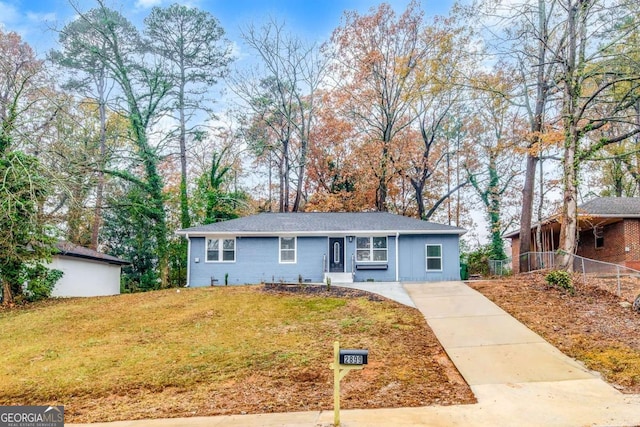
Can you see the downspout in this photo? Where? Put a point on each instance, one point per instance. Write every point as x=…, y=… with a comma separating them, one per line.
x=188, y=261
x=397, y=256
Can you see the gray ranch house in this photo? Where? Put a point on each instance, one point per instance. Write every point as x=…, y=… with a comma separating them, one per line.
x=311, y=247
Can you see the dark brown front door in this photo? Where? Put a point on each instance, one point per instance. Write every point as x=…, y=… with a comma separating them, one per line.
x=336, y=254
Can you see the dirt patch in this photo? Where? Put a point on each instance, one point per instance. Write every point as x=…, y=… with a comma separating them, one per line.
x=321, y=290
x=594, y=325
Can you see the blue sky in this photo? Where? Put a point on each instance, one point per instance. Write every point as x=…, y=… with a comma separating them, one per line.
x=36, y=20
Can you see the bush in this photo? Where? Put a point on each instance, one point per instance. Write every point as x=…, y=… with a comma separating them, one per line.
x=478, y=261
x=561, y=279
x=40, y=282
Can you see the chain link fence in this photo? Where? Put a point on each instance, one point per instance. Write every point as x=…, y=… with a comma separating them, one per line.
x=500, y=267
x=615, y=278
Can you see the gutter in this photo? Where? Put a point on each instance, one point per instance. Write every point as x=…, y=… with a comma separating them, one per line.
x=289, y=233
x=188, y=260
x=397, y=256
x=92, y=258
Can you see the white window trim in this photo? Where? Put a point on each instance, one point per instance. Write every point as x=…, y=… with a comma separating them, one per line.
x=371, y=249
x=295, y=250
x=220, y=250
x=427, y=257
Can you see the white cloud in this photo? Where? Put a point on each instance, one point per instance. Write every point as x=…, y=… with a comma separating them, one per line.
x=8, y=15
x=147, y=4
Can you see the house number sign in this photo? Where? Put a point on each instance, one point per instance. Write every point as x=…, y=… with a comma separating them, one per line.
x=353, y=357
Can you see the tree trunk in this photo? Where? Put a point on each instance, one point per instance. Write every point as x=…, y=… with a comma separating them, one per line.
x=569, y=219
x=537, y=122
x=7, y=295
x=185, y=219
x=381, y=192
x=572, y=91
x=569, y=226
x=527, y=208
x=301, y=172
x=97, y=212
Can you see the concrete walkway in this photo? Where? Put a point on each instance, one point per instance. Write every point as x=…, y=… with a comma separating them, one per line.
x=392, y=290
x=518, y=378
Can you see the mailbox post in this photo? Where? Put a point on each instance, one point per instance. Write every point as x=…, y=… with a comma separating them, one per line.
x=343, y=362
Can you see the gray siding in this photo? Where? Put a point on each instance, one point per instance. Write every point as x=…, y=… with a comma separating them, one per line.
x=413, y=264
x=257, y=260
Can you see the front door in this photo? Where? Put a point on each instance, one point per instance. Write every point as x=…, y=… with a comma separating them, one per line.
x=336, y=254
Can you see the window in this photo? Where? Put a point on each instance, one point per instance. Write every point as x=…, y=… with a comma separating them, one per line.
x=598, y=234
x=221, y=250
x=288, y=250
x=371, y=249
x=434, y=257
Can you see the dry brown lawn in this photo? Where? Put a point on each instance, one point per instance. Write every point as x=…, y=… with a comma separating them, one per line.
x=221, y=350
x=594, y=326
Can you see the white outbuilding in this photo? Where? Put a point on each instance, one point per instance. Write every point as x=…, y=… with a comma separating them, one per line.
x=87, y=273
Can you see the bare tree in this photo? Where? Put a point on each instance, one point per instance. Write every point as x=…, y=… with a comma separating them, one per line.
x=282, y=95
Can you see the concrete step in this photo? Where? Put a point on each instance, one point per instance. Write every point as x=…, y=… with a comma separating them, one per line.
x=339, y=277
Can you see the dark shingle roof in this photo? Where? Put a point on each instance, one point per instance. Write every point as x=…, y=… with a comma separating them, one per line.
x=603, y=207
x=314, y=223
x=624, y=207
x=71, y=250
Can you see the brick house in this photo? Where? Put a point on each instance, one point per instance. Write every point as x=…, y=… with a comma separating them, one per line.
x=608, y=230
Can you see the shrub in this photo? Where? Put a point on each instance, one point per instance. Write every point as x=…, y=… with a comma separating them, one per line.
x=561, y=279
x=478, y=260
x=40, y=282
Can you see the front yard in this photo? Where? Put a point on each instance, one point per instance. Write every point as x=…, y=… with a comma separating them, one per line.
x=594, y=326
x=222, y=350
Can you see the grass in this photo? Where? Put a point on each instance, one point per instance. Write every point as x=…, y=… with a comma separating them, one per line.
x=189, y=349
x=619, y=364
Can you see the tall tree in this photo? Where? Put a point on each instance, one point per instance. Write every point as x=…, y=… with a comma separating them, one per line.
x=191, y=41
x=596, y=93
x=536, y=72
x=25, y=237
x=89, y=77
x=374, y=58
x=494, y=130
x=143, y=87
x=528, y=36
x=282, y=96
x=436, y=100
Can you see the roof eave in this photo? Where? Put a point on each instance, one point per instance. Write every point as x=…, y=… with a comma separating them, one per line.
x=92, y=258
x=458, y=232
